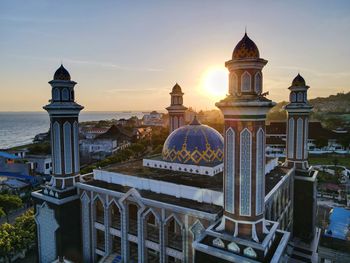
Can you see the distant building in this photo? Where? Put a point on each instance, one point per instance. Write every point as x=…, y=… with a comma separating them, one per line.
x=102, y=145
x=142, y=133
x=42, y=164
x=276, y=137
x=335, y=239
x=93, y=132
x=153, y=119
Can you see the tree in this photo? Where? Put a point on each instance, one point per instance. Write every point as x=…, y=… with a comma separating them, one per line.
x=321, y=142
x=7, y=241
x=344, y=141
x=9, y=203
x=26, y=229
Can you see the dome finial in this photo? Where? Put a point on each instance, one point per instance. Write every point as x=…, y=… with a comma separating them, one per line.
x=61, y=74
x=195, y=121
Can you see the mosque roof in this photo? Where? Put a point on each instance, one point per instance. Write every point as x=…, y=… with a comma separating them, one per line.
x=195, y=144
x=246, y=48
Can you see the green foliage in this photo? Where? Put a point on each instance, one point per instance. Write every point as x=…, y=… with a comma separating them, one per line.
x=40, y=148
x=21, y=235
x=321, y=142
x=9, y=203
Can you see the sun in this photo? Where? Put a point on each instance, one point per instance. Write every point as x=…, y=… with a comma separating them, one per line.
x=215, y=82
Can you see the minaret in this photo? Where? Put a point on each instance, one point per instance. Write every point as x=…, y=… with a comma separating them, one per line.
x=176, y=109
x=244, y=110
x=298, y=111
x=58, y=202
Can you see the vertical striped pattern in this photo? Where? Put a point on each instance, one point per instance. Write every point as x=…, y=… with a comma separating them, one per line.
x=245, y=173
x=230, y=170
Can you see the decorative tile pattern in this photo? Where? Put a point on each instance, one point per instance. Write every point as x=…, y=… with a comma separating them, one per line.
x=260, y=154
x=197, y=229
x=300, y=144
x=85, y=201
x=47, y=226
x=250, y=252
x=67, y=136
x=245, y=173
x=233, y=247
x=217, y=242
x=290, y=135
x=57, y=148
x=230, y=170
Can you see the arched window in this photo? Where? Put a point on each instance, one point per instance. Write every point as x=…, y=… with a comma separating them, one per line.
x=245, y=82
x=174, y=234
x=132, y=208
x=300, y=97
x=56, y=94
x=293, y=97
x=65, y=94
x=258, y=83
x=233, y=83
x=114, y=216
x=245, y=172
x=72, y=95
x=229, y=177
x=99, y=211
x=152, y=227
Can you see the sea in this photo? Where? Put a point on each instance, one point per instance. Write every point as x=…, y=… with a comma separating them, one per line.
x=20, y=128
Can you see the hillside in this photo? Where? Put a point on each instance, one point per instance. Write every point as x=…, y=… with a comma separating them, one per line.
x=332, y=111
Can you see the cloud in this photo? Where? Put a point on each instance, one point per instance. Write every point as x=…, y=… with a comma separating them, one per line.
x=92, y=63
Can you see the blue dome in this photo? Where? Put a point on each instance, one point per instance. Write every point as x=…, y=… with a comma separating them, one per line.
x=195, y=144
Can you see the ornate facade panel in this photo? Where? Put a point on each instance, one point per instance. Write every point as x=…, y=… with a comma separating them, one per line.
x=260, y=154
x=47, y=226
x=245, y=172
x=85, y=207
x=300, y=144
x=67, y=137
x=290, y=135
x=306, y=136
x=57, y=165
x=76, y=147
x=197, y=229
x=230, y=170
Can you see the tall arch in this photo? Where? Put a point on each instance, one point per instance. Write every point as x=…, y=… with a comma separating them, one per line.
x=65, y=94
x=290, y=145
x=67, y=137
x=300, y=145
x=233, y=87
x=260, y=172
x=230, y=170
x=245, y=172
x=57, y=148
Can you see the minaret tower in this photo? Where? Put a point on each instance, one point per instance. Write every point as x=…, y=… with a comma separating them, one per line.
x=176, y=109
x=244, y=109
x=298, y=111
x=57, y=204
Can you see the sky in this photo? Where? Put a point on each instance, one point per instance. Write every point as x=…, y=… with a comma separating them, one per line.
x=127, y=55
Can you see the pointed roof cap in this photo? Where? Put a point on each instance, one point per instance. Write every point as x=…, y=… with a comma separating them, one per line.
x=61, y=74
x=177, y=88
x=246, y=48
x=299, y=81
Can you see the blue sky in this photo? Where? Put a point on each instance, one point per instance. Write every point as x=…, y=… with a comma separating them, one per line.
x=127, y=55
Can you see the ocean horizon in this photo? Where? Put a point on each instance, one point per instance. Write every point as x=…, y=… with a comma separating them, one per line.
x=20, y=127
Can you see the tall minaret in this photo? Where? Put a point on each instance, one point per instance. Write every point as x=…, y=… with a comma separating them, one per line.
x=244, y=109
x=64, y=113
x=298, y=111
x=57, y=205
x=176, y=109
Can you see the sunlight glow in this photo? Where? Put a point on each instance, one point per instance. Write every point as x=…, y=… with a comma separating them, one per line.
x=214, y=82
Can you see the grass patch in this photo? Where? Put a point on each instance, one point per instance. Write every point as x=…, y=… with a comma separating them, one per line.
x=330, y=159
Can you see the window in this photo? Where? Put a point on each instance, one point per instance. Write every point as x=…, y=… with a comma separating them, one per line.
x=245, y=82
x=293, y=97
x=65, y=94
x=56, y=94
x=258, y=83
x=233, y=83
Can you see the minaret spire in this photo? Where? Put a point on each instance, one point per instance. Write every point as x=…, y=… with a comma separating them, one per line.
x=176, y=109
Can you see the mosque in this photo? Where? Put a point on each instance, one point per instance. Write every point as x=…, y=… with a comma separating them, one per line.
x=207, y=198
